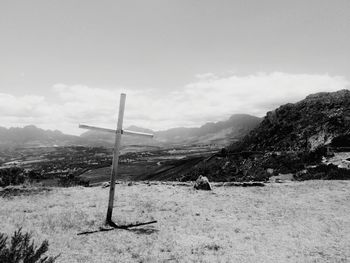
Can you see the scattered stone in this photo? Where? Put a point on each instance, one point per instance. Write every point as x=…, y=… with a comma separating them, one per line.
x=269, y=170
x=105, y=184
x=202, y=183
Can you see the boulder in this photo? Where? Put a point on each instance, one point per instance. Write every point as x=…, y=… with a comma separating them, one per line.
x=202, y=183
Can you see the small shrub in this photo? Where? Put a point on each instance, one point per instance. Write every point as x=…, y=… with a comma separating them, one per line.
x=34, y=175
x=72, y=180
x=22, y=250
x=315, y=156
x=11, y=176
x=324, y=172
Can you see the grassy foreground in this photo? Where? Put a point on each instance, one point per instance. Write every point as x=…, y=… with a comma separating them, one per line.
x=293, y=222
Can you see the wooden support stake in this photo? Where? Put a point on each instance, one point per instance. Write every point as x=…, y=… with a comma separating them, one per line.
x=115, y=158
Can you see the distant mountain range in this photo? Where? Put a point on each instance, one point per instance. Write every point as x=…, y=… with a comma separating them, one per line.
x=221, y=133
x=32, y=136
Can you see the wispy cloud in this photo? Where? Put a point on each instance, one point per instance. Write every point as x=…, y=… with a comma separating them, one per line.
x=210, y=97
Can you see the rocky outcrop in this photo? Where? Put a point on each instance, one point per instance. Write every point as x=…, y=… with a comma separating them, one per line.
x=202, y=183
x=304, y=126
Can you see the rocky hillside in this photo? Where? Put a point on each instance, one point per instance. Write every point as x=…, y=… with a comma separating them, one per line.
x=289, y=140
x=315, y=121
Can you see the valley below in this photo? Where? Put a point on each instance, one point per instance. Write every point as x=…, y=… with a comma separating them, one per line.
x=55, y=166
x=88, y=166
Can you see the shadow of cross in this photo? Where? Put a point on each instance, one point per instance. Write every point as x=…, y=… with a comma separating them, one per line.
x=118, y=134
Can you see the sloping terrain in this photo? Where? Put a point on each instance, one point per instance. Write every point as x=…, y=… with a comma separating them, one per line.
x=311, y=123
x=291, y=139
x=172, y=170
x=297, y=222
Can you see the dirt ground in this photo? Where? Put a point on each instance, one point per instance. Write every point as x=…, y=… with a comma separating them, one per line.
x=291, y=222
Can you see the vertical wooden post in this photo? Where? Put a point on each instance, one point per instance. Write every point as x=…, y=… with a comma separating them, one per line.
x=115, y=157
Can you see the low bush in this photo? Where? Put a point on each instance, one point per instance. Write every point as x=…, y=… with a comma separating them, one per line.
x=250, y=166
x=72, y=180
x=325, y=172
x=11, y=176
x=21, y=249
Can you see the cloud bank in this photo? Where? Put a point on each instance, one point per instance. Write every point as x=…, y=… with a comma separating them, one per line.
x=209, y=97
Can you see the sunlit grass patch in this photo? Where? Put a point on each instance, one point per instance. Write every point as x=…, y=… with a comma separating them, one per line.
x=296, y=222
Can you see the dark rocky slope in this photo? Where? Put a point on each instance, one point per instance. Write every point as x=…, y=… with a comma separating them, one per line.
x=307, y=125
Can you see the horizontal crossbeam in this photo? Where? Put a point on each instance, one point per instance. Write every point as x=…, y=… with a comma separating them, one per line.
x=126, y=132
x=133, y=133
x=88, y=127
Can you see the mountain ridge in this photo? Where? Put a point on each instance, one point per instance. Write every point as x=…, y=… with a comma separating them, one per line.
x=234, y=128
x=31, y=135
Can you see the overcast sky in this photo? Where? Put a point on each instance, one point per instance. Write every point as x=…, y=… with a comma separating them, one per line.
x=181, y=62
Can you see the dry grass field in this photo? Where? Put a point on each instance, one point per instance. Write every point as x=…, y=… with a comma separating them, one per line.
x=291, y=222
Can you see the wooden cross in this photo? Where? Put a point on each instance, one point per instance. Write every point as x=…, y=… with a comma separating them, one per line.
x=118, y=135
